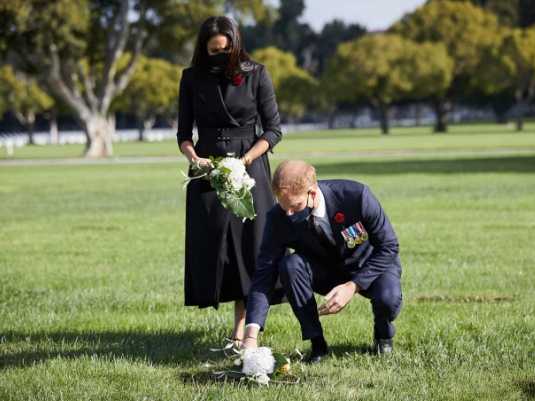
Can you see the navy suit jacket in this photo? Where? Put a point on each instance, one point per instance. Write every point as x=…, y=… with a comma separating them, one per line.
x=353, y=202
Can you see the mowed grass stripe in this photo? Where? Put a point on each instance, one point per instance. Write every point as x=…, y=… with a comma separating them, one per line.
x=91, y=304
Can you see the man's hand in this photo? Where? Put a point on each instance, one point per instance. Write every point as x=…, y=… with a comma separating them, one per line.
x=338, y=298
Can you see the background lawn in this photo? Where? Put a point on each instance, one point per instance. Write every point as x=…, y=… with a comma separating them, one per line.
x=475, y=138
x=91, y=270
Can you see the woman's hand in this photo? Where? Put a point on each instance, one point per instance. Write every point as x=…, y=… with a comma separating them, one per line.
x=246, y=160
x=200, y=162
x=187, y=148
x=258, y=149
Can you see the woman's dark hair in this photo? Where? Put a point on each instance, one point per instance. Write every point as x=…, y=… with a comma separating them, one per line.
x=220, y=26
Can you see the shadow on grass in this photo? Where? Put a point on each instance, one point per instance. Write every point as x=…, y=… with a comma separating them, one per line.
x=528, y=388
x=344, y=350
x=164, y=348
x=520, y=164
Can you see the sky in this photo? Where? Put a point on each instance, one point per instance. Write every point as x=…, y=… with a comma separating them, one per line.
x=373, y=14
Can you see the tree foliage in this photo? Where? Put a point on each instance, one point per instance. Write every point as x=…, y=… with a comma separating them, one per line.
x=295, y=88
x=511, y=68
x=152, y=91
x=75, y=47
x=23, y=96
x=386, y=68
x=467, y=31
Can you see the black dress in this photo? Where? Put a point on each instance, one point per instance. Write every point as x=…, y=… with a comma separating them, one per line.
x=221, y=250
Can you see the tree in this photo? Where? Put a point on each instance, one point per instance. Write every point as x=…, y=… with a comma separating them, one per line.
x=516, y=64
x=386, y=68
x=286, y=33
x=23, y=97
x=518, y=13
x=152, y=91
x=332, y=34
x=292, y=84
x=466, y=30
x=74, y=46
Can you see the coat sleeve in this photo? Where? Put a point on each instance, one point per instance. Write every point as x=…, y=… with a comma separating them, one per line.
x=268, y=109
x=381, y=236
x=265, y=275
x=185, y=109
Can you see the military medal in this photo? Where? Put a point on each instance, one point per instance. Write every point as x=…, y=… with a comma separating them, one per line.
x=354, y=235
x=348, y=238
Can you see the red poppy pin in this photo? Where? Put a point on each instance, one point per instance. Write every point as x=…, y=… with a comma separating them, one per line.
x=238, y=79
x=339, y=218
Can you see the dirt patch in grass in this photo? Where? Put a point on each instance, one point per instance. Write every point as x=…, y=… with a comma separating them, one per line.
x=469, y=298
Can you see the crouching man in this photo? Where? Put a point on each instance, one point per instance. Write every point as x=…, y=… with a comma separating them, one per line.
x=343, y=245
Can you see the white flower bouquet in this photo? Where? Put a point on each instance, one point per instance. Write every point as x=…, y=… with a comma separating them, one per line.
x=227, y=175
x=259, y=365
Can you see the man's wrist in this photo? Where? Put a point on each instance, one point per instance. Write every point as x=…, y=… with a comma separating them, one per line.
x=354, y=286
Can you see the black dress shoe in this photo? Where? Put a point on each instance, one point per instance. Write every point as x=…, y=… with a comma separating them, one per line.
x=318, y=351
x=383, y=346
x=316, y=356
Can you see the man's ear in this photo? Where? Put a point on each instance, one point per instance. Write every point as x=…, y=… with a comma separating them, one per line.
x=313, y=193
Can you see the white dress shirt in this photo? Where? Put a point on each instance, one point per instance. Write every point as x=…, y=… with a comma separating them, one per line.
x=320, y=216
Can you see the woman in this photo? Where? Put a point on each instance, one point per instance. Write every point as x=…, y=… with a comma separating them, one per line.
x=226, y=94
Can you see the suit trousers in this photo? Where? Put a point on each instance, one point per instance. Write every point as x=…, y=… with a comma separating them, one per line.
x=301, y=278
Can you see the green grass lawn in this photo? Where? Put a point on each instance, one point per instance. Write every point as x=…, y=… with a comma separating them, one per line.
x=91, y=272
x=475, y=138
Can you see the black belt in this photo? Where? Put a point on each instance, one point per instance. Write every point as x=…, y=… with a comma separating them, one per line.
x=228, y=133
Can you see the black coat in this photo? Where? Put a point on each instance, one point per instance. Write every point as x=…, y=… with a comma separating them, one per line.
x=221, y=250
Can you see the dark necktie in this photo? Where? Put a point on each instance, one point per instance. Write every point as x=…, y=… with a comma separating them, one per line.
x=319, y=233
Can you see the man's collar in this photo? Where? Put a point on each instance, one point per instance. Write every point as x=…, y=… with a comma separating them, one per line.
x=320, y=210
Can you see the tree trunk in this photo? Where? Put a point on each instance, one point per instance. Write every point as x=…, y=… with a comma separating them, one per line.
x=353, y=122
x=27, y=119
x=29, y=130
x=54, y=132
x=520, y=109
x=99, y=131
x=145, y=125
x=140, y=132
x=500, y=109
x=520, y=123
x=418, y=115
x=332, y=119
x=441, y=113
x=384, y=118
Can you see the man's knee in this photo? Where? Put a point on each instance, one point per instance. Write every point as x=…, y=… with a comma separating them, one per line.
x=290, y=267
x=388, y=301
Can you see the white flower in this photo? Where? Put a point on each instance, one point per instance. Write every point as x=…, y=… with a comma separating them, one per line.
x=261, y=378
x=258, y=361
x=233, y=164
x=248, y=182
x=236, y=180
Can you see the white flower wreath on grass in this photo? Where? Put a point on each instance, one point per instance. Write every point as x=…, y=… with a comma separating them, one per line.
x=227, y=175
x=259, y=365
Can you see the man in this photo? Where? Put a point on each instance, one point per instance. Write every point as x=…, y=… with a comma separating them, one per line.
x=343, y=244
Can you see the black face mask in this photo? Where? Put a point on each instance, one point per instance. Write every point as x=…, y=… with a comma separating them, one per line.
x=301, y=216
x=218, y=60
